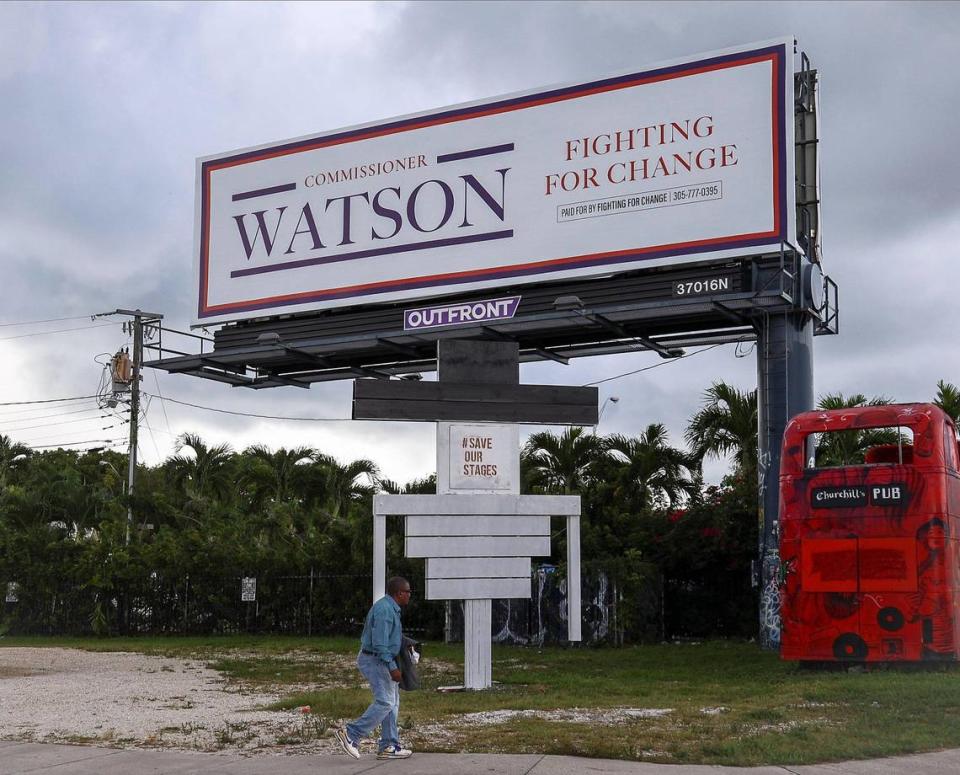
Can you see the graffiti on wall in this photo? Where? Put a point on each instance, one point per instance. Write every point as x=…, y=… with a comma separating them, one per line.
x=770, y=602
x=543, y=618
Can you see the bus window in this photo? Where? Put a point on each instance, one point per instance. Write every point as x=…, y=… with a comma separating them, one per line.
x=950, y=446
x=856, y=447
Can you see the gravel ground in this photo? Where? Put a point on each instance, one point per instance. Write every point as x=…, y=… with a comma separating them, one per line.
x=133, y=700
x=130, y=700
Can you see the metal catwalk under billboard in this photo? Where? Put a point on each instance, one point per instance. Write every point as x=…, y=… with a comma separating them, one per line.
x=683, y=161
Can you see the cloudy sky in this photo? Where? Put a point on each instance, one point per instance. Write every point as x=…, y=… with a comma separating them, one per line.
x=105, y=108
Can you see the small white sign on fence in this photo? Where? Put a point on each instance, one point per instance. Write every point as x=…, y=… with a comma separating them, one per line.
x=13, y=590
x=248, y=589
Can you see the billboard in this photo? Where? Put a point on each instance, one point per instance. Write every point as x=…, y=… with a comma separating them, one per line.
x=683, y=161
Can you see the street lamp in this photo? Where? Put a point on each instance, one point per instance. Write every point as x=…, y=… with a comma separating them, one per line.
x=113, y=468
x=607, y=400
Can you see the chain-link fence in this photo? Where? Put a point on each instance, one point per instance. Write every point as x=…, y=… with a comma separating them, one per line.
x=320, y=604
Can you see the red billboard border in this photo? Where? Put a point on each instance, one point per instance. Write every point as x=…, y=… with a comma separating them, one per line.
x=775, y=54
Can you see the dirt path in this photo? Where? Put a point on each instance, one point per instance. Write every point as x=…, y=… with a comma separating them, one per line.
x=133, y=700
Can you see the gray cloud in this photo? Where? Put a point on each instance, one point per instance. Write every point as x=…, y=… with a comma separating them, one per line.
x=107, y=105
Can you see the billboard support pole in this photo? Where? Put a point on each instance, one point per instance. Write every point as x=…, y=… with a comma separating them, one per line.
x=784, y=388
x=495, y=364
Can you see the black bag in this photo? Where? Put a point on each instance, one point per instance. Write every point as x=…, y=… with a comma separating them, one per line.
x=409, y=678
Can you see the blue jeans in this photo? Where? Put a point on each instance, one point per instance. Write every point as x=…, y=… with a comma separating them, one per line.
x=385, y=706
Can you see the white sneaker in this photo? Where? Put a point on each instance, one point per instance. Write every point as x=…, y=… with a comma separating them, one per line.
x=394, y=752
x=346, y=743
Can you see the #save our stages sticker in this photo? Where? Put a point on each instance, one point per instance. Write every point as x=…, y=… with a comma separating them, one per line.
x=483, y=457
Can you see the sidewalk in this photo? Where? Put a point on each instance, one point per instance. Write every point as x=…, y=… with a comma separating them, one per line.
x=16, y=758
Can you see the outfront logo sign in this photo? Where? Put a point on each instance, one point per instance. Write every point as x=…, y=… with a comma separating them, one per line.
x=677, y=162
x=460, y=314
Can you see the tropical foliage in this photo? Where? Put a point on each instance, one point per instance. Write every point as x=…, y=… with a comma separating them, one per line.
x=726, y=425
x=677, y=552
x=647, y=472
x=948, y=399
x=843, y=448
x=560, y=464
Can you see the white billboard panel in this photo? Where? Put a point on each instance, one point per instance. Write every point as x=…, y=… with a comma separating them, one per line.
x=477, y=525
x=683, y=161
x=477, y=546
x=477, y=589
x=476, y=567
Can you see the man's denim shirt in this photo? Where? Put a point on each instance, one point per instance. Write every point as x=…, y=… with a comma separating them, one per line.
x=382, y=631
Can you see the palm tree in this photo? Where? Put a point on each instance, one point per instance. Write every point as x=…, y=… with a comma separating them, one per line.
x=948, y=399
x=843, y=448
x=207, y=472
x=11, y=452
x=727, y=424
x=335, y=486
x=273, y=475
x=56, y=492
x=425, y=486
x=648, y=471
x=560, y=464
x=840, y=401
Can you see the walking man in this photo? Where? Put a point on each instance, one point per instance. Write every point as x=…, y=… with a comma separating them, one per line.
x=379, y=646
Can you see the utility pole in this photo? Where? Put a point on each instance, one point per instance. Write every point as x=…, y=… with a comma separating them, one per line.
x=136, y=325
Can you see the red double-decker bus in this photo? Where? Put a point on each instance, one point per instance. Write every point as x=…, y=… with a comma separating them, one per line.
x=870, y=535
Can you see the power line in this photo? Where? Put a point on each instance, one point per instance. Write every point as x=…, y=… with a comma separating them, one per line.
x=101, y=418
x=56, y=331
x=14, y=415
x=153, y=438
x=3, y=420
x=654, y=366
x=81, y=430
x=250, y=414
x=45, y=401
x=163, y=406
x=105, y=442
x=159, y=430
x=38, y=322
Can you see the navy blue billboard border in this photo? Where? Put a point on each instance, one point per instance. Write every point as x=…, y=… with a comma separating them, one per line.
x=778, y=51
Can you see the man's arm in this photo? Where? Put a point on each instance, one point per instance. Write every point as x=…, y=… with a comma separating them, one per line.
x=383, y=623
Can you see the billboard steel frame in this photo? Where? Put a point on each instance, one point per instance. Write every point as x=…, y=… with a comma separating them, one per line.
x=635, y=312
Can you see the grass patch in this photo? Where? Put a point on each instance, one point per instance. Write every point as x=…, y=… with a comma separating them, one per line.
x=711, y=703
